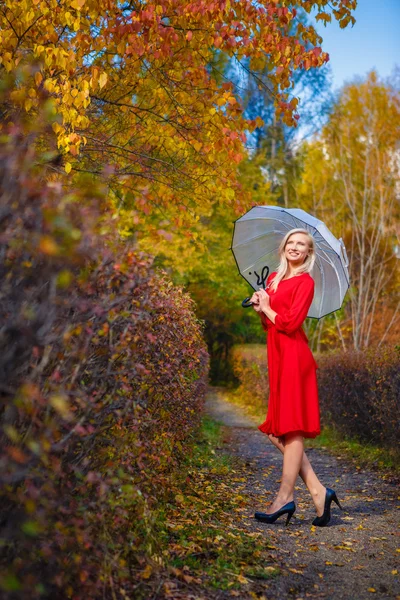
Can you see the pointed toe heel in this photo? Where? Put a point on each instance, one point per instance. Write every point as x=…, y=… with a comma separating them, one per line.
x=324, y=519
x=288, y=509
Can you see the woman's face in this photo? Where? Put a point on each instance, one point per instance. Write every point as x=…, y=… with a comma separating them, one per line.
x=297, y=249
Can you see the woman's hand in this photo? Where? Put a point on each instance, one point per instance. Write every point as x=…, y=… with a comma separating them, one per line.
x=263, y=299
x=255, y=301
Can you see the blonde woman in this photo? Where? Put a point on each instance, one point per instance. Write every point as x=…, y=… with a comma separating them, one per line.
x=293, y=407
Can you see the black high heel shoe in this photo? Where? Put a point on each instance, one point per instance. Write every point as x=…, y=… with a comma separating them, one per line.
x=288, y=509
x=326, y=516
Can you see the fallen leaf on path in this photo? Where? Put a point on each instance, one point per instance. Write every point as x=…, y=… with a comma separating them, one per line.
x=145, y=574
x=296, y=571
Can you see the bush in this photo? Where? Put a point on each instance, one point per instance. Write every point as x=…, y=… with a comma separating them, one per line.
x=360, y=394
x=102, y=378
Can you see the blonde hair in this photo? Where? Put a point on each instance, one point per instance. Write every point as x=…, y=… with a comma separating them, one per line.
x=307, y=265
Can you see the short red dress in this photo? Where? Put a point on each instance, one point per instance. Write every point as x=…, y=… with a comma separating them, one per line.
x=293, y=405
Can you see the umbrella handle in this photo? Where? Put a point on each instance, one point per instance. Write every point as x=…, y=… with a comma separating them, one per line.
x=246, y=302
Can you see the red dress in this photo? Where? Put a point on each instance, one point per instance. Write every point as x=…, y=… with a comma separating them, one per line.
x=293, y=394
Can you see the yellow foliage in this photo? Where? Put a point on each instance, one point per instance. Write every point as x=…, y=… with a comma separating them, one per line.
x=141, y=92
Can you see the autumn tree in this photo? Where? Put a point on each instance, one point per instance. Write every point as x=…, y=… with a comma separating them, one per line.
x=135, y=87
x=141, y=95
x=273, y=145
x=351, y=181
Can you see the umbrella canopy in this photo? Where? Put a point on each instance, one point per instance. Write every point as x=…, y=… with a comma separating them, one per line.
x=256, y=238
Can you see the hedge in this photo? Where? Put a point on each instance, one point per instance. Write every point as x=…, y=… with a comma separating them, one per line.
x=102, y=377
x=359, y=392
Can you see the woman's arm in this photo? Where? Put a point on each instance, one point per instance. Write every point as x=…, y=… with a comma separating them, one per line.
x=290, y=320
x=271, y=314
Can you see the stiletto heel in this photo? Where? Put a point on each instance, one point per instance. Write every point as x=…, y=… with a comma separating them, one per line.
x=324, y=519
x=336, y=499
x=288, y=509
x=290, y=515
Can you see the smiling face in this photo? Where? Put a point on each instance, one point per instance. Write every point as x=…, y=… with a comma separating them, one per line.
x=297, y=249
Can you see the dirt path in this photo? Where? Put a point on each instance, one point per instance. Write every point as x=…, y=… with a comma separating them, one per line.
x=357, y=556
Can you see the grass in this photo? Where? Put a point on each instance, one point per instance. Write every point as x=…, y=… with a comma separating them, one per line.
x=202, y=539
x=206, y=535
x=365, y=454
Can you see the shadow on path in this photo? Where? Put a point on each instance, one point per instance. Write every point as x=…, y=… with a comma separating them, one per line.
x=357, y=556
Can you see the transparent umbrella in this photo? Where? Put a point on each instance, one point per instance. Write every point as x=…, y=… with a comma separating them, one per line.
x=256, y=238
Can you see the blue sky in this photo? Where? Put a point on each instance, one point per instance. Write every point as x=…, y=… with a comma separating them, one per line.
x=373, y=42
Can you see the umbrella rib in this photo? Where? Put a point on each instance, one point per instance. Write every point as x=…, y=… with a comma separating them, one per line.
x=256, y=237
x=335, y=271
x=335, y=268
x=259, y=259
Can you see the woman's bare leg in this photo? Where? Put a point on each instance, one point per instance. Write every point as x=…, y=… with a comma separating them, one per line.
x=308, y=475
x=292, y=457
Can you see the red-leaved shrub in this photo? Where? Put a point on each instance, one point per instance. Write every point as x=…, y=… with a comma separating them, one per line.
x=102, y=378
x=360, y=394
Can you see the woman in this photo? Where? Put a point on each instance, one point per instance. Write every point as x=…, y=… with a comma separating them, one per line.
x=293, y=409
